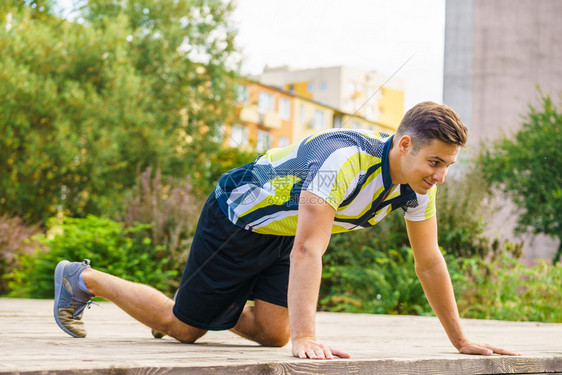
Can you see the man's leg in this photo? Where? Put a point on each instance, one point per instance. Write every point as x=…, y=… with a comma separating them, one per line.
x=264, y=323
x=142, y=302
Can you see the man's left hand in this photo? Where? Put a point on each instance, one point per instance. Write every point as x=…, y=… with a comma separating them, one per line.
x=483, y=349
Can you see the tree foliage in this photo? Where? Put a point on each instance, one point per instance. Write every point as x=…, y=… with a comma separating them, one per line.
x=86, y=103
x=527, y=168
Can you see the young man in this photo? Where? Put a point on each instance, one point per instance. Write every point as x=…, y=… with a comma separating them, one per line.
x=262, y=234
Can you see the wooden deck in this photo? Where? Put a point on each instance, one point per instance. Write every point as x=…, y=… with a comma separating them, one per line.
x=31, y=343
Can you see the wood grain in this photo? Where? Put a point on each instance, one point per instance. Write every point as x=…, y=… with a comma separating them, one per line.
x=31, y=343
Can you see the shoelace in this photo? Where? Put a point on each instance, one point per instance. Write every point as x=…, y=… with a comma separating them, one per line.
x=88, y=305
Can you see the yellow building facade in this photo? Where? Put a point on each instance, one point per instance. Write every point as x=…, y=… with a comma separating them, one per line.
x=268, y=117
x=356, y=122
x=368, y=94
x=391, y=108
x=310, y=117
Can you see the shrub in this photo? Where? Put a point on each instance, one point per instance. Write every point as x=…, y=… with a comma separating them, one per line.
x=503, y=288
x=461, y=208
x=15, y=239
x=372, y=271
x=171, y=209
x=127, y=253
x=388, y=285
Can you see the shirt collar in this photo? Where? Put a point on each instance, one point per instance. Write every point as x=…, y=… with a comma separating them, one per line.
x=386, y=179
x=405, y=189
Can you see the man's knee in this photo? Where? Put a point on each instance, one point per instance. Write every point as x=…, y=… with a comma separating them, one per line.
x=186, y=337
x=181, y=331
x=273, y=324
x=274, y=333
x=277, y=340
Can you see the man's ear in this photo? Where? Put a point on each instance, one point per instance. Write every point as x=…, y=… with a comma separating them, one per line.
x=405, y=144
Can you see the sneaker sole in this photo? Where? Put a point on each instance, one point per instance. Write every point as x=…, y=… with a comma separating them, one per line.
x=59, y=272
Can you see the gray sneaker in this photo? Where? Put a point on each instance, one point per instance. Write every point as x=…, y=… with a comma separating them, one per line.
x=70, y=299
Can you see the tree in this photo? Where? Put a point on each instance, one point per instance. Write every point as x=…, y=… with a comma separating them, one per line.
x=86, y=104
x=528, y=169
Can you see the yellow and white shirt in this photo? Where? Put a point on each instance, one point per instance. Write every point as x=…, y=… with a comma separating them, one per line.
x=346, y=168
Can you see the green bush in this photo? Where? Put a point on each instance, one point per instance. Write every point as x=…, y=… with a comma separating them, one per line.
x=126, y=253
x=461, y=209
x=504, y=289
x=170, y=208
x=15, y=239
x=386, y=286
x=372, y=271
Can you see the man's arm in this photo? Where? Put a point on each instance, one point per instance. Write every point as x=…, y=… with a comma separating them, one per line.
x=311, y=240
x=434, y=276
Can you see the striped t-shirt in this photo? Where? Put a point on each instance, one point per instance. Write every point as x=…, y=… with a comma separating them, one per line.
x=346, y=168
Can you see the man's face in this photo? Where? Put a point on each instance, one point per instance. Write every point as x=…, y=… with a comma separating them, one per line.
x=428, y=165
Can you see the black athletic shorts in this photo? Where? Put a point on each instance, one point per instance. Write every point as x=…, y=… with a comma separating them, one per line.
x=228, y=265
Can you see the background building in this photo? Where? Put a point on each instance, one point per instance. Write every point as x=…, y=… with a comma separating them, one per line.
x=497, y=52
x=269, y=117
x=311, y=117
x=264, y=118
x=368, y=94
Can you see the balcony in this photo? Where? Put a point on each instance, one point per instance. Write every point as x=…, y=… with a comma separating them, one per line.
x=249, y=113
x=270, y=120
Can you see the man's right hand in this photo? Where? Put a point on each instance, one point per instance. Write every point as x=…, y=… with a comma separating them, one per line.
x=309, y=348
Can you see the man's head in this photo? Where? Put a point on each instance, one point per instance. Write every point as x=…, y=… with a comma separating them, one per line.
x=428, y=121
x=427, y=142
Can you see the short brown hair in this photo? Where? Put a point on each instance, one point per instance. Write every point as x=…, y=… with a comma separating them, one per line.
x=427, y=121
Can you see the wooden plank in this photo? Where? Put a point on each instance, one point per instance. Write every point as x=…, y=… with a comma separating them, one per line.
x=338, y=367
x=31, y=343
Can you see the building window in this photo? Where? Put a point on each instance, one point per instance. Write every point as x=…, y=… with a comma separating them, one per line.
x=242, y=93
x=318, y=122
x=356, y=125
x=264, y=141
x=283, y=141
x=292, y=89
x=285, y=109
x=310, y=87
x=239, y=136
x=323, y=86
x=337, y=121
x=301, y=114
x=266, y=102
x=350, y=105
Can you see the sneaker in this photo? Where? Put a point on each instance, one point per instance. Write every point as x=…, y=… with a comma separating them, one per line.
x=157, y=334
x=70, y=298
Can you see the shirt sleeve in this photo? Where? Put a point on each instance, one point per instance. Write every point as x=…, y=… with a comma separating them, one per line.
x=425, y=209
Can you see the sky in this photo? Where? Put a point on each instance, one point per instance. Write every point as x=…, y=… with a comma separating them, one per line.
x=404, y=38
x=378, y=35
